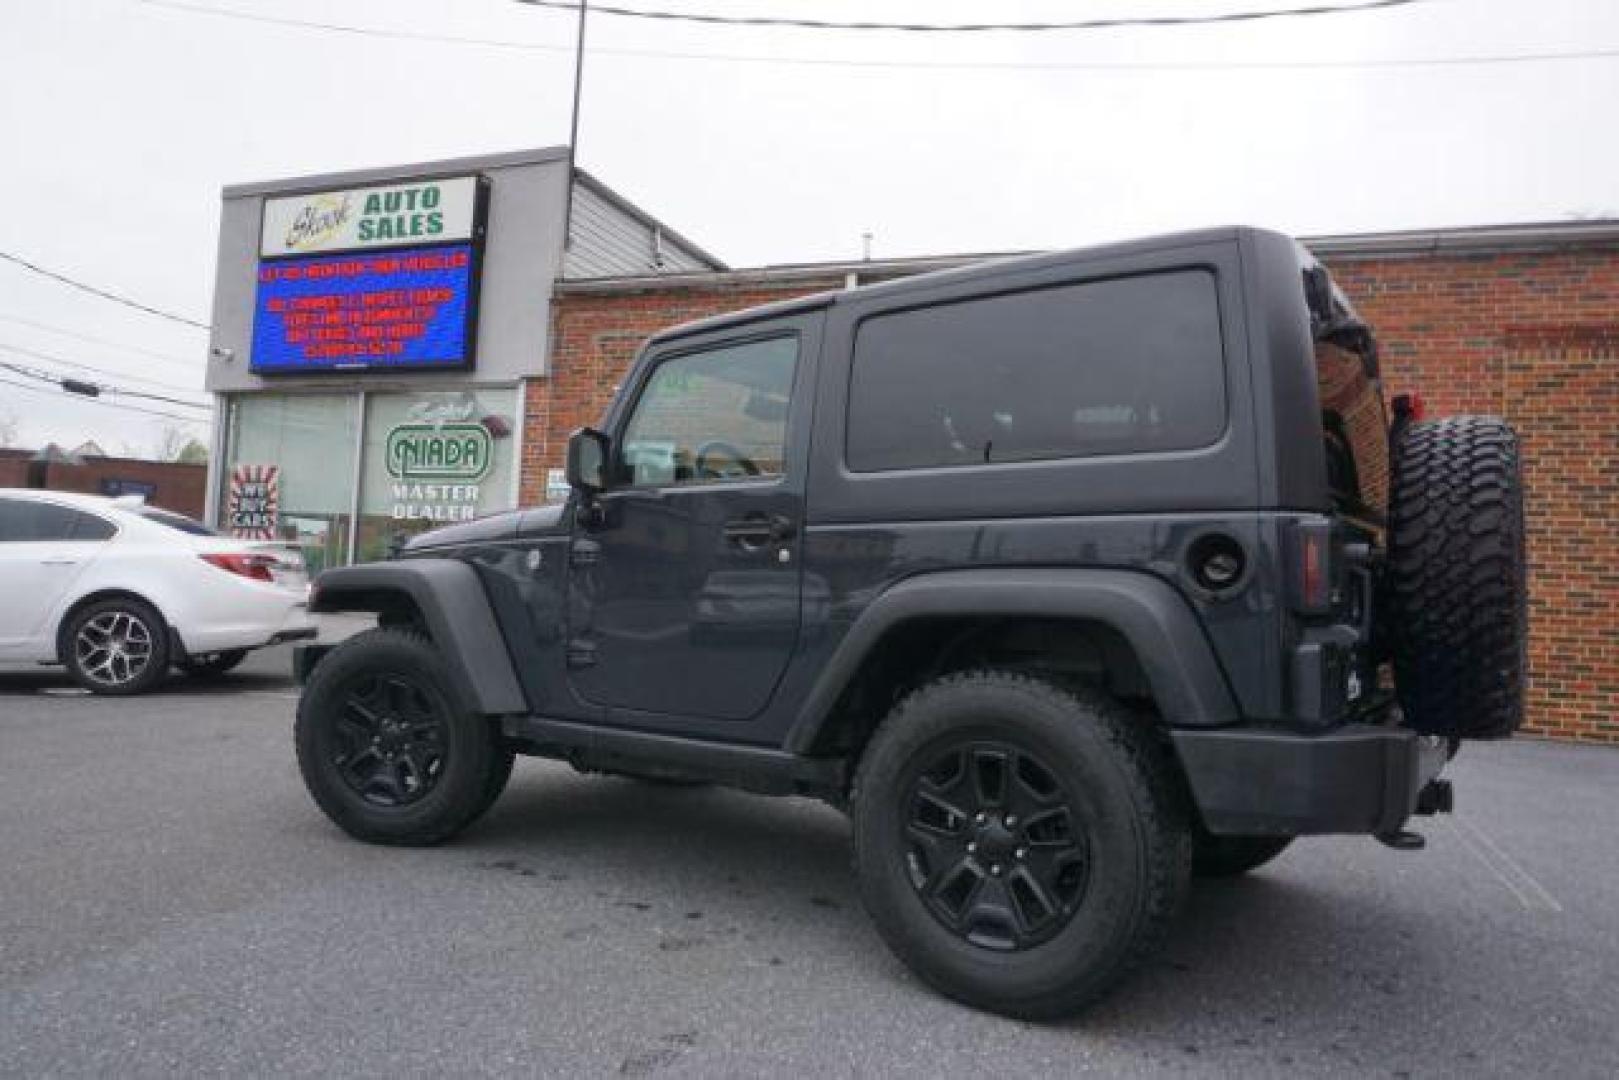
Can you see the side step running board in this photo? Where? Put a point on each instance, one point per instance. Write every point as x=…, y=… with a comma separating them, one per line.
x=754, y=768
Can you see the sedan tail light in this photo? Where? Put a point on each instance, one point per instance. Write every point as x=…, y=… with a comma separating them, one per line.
x=256, y=567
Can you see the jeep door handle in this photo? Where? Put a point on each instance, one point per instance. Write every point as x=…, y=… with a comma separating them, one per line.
x=757, y=530
x=58, y=562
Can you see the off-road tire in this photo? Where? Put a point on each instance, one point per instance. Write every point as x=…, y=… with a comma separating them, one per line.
x=1229, y=856
x=476, y=764
x=1455, y=601
x=211, y=665
x=155, y=631
x=1139, y=840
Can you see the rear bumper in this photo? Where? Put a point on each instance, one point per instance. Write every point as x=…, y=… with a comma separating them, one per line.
x=267, y=624
x=1358, y=778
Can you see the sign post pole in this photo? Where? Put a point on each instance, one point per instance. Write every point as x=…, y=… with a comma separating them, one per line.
x=573, y=128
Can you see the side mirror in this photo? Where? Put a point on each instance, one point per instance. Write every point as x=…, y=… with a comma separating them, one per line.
x=589, y=451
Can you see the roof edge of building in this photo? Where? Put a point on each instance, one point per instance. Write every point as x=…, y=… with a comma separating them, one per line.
x=590, y=180
x=1469, y=239
x=1474, y=239
x=294, y=185
x=833, y=274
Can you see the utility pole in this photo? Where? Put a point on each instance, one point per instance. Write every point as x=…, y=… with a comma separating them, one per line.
x=573, y=127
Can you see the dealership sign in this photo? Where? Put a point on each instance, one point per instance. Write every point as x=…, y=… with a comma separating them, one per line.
x=382, y=277
x=439, y=452
x=387, y=215
x=253, y=502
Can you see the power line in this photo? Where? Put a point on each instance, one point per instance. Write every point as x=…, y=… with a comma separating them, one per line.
x=103, y=293
x=1137, y=21
x=49, y=358
x=57, y=380
x=920, y=65
x=92, y=340
x=107, y=404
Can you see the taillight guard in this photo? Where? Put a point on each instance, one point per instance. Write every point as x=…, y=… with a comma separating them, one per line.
x=1309, y=556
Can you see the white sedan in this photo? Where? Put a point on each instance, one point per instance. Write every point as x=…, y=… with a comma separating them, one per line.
x=120, y=592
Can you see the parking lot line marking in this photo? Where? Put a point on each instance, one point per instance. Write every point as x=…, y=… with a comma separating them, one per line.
x=1528, y=891
x=1512, y=864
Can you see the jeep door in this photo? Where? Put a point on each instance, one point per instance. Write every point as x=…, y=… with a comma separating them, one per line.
x=684, y=584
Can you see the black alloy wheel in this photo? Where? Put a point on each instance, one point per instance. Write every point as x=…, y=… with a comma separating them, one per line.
x=1022, y=845
x=388, y=747
x=996, y=847
x=391, y=739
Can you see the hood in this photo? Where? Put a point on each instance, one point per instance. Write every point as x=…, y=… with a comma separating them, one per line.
x=492, y=527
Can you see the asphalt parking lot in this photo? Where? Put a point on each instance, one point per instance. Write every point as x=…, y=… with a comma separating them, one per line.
x=171, y=902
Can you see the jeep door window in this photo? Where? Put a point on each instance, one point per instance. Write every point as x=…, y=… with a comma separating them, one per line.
x=1119, y=366
x=715, y=415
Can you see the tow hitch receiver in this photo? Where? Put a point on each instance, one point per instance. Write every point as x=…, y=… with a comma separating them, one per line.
x=1436, y=797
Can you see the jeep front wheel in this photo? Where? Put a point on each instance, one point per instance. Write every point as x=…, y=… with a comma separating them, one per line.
x=385, y=748
x=1022, y=847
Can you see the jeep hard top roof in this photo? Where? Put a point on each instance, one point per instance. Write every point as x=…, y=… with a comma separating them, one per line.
x=987, y=269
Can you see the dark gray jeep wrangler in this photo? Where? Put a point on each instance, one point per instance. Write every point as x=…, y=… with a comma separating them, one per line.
x=1070, y=576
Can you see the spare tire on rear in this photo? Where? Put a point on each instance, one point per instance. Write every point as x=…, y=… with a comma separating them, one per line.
x=1455, y=596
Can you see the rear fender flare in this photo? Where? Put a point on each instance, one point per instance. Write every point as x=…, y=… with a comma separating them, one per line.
x=455, y=612
x=1174, y=652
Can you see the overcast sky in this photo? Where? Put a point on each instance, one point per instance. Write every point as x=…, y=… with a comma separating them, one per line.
x=121, y=120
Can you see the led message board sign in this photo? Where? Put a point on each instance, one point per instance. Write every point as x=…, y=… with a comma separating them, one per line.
x=410, y=308
x=379, y=278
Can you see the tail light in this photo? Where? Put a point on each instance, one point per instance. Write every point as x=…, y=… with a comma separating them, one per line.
x=255, y=567
x=1312, y=584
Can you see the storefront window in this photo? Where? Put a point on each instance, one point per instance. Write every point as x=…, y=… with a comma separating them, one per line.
x=290, y=472
x=432, y=458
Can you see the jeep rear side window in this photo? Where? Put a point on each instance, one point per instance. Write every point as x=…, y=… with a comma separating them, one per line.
x=719, y=414
x=1122, y=366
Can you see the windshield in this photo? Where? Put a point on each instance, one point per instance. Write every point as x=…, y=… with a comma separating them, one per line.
x=175, y=521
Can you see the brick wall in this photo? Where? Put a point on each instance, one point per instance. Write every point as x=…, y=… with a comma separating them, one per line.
x=593, y=339
x=176, y=486
x=1533, y=336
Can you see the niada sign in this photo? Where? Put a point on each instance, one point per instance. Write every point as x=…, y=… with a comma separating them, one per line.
x=439, y=451
x=386, y=215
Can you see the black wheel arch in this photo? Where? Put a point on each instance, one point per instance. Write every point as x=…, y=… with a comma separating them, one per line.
x=1139, y=627
x=446, y=600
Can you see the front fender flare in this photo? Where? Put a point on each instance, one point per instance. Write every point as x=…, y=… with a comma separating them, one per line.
x=455, y=611
x=1153, y=617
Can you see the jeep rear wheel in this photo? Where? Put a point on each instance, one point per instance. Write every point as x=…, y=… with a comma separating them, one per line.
x=1456, y=606
x=1022, y=847
x=385, y=748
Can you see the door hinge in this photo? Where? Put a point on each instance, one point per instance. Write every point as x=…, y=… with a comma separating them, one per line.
x=584, y=553
x=581, y=653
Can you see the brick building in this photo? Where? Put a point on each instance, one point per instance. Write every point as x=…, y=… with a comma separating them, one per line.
x=1522, y=321
x=173, y=485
